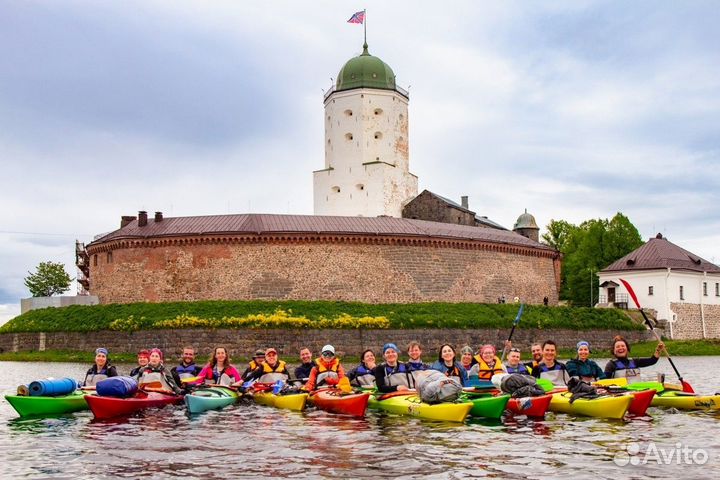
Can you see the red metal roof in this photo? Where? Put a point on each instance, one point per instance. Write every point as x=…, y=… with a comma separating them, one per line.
x=659, y=253
x=273, y=224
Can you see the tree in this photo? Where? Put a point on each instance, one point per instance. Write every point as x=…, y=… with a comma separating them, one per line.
x=587, y=249
x=49, y=279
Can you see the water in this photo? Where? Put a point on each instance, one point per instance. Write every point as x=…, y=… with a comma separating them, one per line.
x=253, y=441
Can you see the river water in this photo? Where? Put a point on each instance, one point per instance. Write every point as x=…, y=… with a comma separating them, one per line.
x=252, y=441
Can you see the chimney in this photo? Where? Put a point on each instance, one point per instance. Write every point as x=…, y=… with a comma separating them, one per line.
x=158, y=216
x=142, y=218
x=464, y=202
x=126, y=219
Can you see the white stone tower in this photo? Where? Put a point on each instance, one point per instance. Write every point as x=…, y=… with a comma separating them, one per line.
x=366, y=144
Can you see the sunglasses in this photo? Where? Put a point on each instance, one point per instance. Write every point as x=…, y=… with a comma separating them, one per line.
x=328, y=354
x=517, y=350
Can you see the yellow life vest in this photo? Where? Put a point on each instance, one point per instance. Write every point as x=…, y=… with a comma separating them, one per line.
x=278, y=368
x=484, y=371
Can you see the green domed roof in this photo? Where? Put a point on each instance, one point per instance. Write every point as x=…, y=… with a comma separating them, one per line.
x=525, y=221
x=365, y=71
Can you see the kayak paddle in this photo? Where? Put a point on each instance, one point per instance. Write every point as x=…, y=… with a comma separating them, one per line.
x=515, y=324
x=686, y=386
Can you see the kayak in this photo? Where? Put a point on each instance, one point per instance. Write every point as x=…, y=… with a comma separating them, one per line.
x=530, y=406
x=602, y=407
x=335, y=401
x=210, y=399
x=295, y=401
x=108, y=407
x=686, y=401
x=403, y=403
x=27, y=406
x=486, y=404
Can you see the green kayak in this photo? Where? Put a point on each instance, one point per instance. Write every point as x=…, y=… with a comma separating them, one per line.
x=37, y=406
x=486, y=404
x=210, y=399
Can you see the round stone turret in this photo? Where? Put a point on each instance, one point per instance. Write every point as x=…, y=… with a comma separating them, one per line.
x=527, y=227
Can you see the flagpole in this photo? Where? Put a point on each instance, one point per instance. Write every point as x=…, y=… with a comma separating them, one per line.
x=365, y=25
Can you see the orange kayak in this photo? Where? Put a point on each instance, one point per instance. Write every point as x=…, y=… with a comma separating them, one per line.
x=336, y=401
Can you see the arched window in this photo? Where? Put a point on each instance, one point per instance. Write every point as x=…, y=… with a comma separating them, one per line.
x=378, y=135
x=378, y=111
x=335, y=189
x=348, y=136
x=360, y=186
x=348, y=113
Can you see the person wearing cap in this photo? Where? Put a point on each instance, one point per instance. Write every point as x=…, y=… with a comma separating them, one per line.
x=306, y=364
x=415, y=365
x=582, y=367
x=549, y=368
x=100, y=370
x=447, y=364
x=392, y=375
x=143, y=358
x=513, y=363
x=327, y=370
x=488, y=363
x=219, y=370
x=258, y=359
x=155, y=375
x=187, y=368
x=624, y=366
x=271, y=370
x=467, y=360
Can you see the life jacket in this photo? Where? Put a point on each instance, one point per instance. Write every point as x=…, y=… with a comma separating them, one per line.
x=557, y=374
x=484, y=371
x=220, y=377
x=363, y=377
x=92, y=377
x=584, y=367
x=188, y=371
x=415, y=368
x=523, y=369
x=253, y=365
x=398, y=375
x=153, y=375
x=273, y=374
x=452, y=372
x=628, y=370
x=325, y=371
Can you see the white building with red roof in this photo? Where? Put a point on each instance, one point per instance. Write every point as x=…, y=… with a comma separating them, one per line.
x=681, y=287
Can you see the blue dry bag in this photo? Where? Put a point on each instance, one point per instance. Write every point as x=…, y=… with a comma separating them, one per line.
x=121, y=387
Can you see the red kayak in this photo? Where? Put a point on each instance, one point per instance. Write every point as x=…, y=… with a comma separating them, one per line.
x=530, y=406
x=641, y=401
x=108, y=407
x=336, y=401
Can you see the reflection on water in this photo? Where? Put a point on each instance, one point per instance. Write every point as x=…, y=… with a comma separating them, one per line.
x=255, y=441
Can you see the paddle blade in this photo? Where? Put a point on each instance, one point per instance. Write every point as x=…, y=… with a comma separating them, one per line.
x=686, y=387
x=189, y=379
x=344, y=385
x=545, y=384
x=631, y=292
x=519, y=314
x=277, y=388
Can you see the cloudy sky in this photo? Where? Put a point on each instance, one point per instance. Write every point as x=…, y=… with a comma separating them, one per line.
x=573, y=110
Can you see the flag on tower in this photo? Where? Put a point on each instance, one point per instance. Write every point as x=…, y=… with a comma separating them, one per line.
x=358, y=17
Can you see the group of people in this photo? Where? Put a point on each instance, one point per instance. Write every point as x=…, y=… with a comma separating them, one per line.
x=389, y=376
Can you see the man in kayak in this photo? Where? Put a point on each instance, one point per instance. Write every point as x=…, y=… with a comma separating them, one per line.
x=392, y=375
x=447, y=364
x=513, y=363
x=488, y=364
x=156, y=376
x=536, y=352
x=306, y=364
x=100, y=370
x=549, y=368
x=219, y=370
x=187, y=367
x=271, y=370
x=143, y=357
x=362, y=375
x=622, y=366
x=258, y=359
x=327, y=370
x=415, y=364
x=582, y=367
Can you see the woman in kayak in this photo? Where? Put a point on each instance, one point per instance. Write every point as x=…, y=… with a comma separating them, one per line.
x=622, y=366
x=549, y=368
x=392, y=375
x=582, y=367
x=271, y=370
x=467, y=360
x=362, y=375
x=327, y=370
x=143, y=358
x=513, y=364
x=447, y=364
x=100, y=370
x=488, y=363
x=155, y=375
x=219, y=370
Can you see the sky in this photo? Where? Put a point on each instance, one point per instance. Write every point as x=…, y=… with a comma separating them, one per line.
x=571, y=109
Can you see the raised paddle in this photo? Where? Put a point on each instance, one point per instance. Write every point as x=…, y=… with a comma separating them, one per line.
x=686, y=386
x=515, y=324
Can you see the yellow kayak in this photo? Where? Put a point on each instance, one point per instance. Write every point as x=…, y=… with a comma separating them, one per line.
x=686, y=401
x=602, y=407
x=411, y=404
x=290, y=402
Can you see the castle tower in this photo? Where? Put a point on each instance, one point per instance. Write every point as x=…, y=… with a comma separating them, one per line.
x=527, y=227
x=366, y=143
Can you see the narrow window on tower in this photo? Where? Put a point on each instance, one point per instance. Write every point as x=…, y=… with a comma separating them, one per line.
x=109, y=257
x=650, y=290
x=95, y=260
